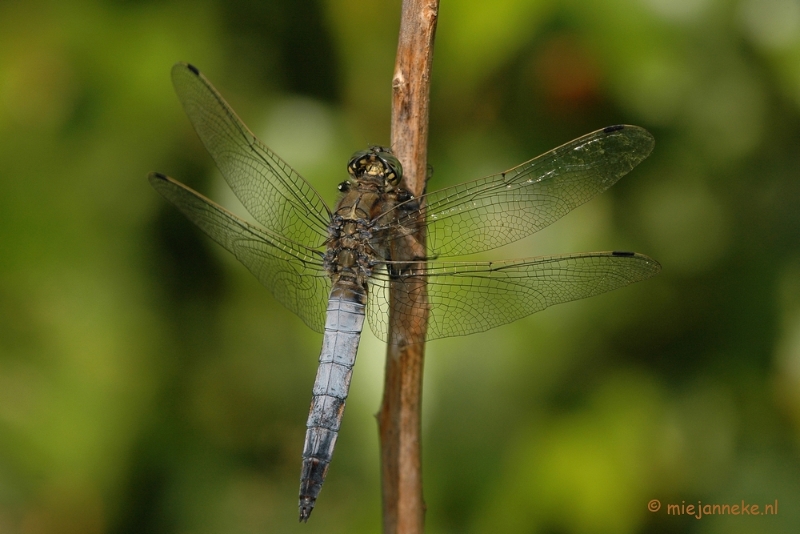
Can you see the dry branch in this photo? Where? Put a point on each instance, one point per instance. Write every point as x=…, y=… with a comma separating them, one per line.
x=400, y=414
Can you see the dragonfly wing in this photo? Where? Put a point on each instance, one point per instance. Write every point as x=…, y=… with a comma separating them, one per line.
x=465, y=298
x=276, y=196
x=292, y=272
x=502, y=208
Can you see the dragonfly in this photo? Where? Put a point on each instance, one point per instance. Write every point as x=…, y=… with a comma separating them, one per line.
x=335, y=267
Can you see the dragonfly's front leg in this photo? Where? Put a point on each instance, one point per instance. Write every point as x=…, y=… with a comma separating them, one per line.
x=405, y=252
x=395, y=242
x=407, y=247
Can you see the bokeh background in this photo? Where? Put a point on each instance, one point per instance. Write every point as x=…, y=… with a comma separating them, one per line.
x=149, y=385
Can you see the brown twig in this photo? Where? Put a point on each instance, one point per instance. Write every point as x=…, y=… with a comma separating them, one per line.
x=400, y=415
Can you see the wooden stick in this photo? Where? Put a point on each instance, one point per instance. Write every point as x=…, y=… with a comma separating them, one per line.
x=399, y=419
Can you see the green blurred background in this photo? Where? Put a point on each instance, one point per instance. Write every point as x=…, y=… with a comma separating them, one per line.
x=149, y=385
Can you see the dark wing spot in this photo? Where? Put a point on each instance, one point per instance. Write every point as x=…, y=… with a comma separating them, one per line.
x=623, y=253
x=193, y=69
x=614, y=128
x=159, y=176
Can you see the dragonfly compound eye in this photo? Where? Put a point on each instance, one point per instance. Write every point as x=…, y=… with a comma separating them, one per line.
x=394, y=170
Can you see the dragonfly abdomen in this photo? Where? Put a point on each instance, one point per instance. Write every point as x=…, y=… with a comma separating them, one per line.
x=343, y=325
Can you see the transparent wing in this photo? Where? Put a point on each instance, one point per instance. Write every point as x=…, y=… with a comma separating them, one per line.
x=292, y=272
x=466, y=298
x=502, y=208
x=276, y=196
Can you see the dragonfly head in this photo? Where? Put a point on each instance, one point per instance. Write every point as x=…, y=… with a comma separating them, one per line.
x=376, y=161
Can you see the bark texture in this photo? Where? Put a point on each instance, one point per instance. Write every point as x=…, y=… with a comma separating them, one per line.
x=400, y=414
